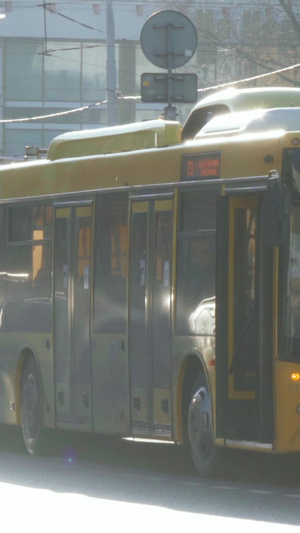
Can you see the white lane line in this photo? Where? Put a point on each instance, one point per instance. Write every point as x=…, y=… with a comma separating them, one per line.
x=225, y=488
x=257, y=491
x=292, y=495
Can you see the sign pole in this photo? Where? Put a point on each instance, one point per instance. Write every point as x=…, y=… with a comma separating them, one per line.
x=170, y=110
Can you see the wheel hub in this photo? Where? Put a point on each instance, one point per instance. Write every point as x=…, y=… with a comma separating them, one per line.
x=30, y=406
x=199, y=424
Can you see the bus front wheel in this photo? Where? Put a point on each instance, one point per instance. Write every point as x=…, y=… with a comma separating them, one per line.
x=31, y=408
x=200, y=429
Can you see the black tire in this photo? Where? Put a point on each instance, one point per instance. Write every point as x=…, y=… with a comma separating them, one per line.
x=205, y=454
x=31, y=408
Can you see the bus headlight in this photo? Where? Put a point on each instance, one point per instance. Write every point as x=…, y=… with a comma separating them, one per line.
x=295, y=376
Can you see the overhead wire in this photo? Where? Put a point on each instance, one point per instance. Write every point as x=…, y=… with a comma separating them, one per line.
x=122, y=97
x=252, y=78
x=47, y=7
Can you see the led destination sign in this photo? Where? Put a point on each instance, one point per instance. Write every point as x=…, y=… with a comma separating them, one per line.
x=201, y=166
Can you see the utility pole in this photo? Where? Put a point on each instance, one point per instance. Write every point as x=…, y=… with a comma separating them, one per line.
x=111, y=76
x=127, y=72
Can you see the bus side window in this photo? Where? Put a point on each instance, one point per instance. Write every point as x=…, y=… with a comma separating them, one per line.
x=29, y=252
x=28, y=268
x=195, y=310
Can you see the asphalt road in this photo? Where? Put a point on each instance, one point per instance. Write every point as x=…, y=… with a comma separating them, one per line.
x=98, y=484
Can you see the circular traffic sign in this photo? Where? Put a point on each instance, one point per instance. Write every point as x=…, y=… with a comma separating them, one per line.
x=169, y=39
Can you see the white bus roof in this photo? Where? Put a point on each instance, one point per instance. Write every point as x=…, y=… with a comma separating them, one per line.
x=115, y=139
x=233, y=100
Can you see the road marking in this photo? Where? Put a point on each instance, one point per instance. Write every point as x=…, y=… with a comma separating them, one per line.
x=257, y=491
x=292, y=495
x=225, y=488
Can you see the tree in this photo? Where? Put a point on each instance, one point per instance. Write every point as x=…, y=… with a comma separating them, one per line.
x=245, y=41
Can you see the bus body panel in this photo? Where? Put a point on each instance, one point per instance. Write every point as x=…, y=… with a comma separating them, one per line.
x=238, y=156
x=111, y=414
x=287, y=402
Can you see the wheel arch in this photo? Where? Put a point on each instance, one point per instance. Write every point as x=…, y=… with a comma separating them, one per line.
x=193, y=366
x=26, y=354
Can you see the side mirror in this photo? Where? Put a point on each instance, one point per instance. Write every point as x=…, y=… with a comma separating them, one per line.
x=275, y=212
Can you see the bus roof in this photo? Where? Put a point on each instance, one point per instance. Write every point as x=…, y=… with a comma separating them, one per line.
x=231, y=100
x=258, y=120
x=115, y=139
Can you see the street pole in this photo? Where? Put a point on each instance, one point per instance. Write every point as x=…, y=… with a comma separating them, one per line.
x=111, y=76
x=170, y=110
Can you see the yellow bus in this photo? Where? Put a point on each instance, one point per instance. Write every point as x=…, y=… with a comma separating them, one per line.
x=150, y=287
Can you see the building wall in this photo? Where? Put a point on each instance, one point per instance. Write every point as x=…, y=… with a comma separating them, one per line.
x=49, y=64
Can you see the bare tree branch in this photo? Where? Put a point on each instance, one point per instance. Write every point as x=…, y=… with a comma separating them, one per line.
x=286, y=6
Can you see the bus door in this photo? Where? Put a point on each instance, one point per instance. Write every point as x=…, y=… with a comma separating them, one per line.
x=150, y=316
x=244, y=324
x=72, y=280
